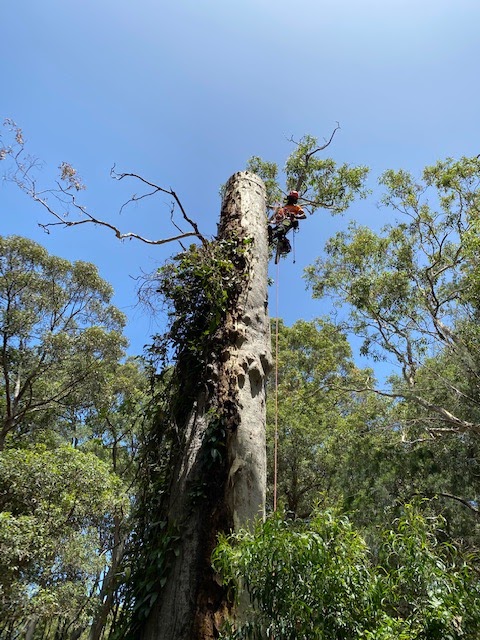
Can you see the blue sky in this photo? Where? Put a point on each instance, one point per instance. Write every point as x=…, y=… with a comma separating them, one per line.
x=184, y=92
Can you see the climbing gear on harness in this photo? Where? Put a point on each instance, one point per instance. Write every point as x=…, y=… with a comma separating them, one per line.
x=284, y=245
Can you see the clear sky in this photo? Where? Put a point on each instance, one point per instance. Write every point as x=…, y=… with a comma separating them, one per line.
x=184, y=92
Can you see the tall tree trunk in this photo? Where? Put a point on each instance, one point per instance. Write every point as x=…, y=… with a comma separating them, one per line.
x=30, y=630
x=192, y=605
x=106, y=596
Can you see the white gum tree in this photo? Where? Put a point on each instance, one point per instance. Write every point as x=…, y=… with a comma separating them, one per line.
x=206, y=467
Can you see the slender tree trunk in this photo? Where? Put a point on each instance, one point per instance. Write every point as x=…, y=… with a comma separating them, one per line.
x=30, y=630
x=106, y=596
x=192, y=605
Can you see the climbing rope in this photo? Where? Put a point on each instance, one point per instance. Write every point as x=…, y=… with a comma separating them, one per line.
x=275, y=446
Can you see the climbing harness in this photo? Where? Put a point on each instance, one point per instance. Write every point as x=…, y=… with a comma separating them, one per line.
x=283, y=246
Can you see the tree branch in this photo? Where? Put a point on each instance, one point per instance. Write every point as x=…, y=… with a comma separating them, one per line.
x=22, y=177
x=301, y=177
x=156, y=188
x=465, y=503
x=460, y=426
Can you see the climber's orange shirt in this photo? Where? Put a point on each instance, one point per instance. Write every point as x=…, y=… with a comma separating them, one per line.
x=288, y=210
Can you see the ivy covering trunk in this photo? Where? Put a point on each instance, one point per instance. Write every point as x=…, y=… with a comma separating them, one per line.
x=217, y=467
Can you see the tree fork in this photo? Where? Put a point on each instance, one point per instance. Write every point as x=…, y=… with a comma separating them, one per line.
x=192, y=604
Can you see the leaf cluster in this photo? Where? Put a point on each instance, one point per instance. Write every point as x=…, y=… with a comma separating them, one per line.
x=321, y=183
x=198, y=286
x=54, y=510
x=317, y=579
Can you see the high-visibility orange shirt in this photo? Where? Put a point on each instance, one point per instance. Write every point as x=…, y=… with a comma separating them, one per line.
x=287, y=211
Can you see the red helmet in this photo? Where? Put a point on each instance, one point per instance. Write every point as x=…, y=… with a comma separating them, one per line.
x=293, y=194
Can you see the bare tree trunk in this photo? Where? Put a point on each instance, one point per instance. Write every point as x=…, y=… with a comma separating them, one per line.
x=106, y=596
x=249, y=359
x=192, y=605
x=30, y=630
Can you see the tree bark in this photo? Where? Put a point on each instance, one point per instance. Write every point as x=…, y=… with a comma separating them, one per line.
x=30, y=630
x=249, y=360
x=192, y=605
x=106, y=595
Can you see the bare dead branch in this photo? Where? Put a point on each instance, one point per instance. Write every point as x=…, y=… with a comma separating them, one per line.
x=310, y=154
x=89, y=218
x=118, y=233
x=156, y=188
x=172, y=210
x=23, y=166
x=327, y=143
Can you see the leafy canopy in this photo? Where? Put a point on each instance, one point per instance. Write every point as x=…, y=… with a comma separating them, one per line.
x=317, y=580
x=321, y=183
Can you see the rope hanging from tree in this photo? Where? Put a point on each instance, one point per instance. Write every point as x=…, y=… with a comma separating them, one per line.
x=275, y=447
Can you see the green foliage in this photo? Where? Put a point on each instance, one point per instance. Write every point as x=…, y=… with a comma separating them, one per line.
x=321, y=421
x=60, y=337
x=150, y=574
x=320, y=182
x=53, y=510
x=198, y=287
x=303, y=580
x=70, y=414
x=318, y=580
x=411, y=292
x=268, y=172
x=412, y=284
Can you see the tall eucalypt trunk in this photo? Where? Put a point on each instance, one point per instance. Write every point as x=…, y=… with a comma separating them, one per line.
x=218, y=478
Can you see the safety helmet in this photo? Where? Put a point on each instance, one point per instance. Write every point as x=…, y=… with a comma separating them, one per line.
x=293, y=194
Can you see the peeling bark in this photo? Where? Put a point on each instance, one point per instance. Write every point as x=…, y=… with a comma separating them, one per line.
x=192, y=605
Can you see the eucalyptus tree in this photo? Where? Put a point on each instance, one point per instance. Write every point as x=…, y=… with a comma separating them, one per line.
x=67, y=401
x=412, y=293
x=212, y=425
x=321, y=424
x=56, y=507
x=59, y=338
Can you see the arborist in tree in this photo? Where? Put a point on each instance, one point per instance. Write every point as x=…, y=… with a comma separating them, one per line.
x=284, y=219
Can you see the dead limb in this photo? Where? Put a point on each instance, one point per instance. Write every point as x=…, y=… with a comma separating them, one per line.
x=310, y=154
x=70, y=184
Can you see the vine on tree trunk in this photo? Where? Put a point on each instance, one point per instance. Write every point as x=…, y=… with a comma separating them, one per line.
x=200, y=287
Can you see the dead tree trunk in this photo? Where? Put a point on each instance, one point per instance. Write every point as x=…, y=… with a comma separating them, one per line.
x=207, y=495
